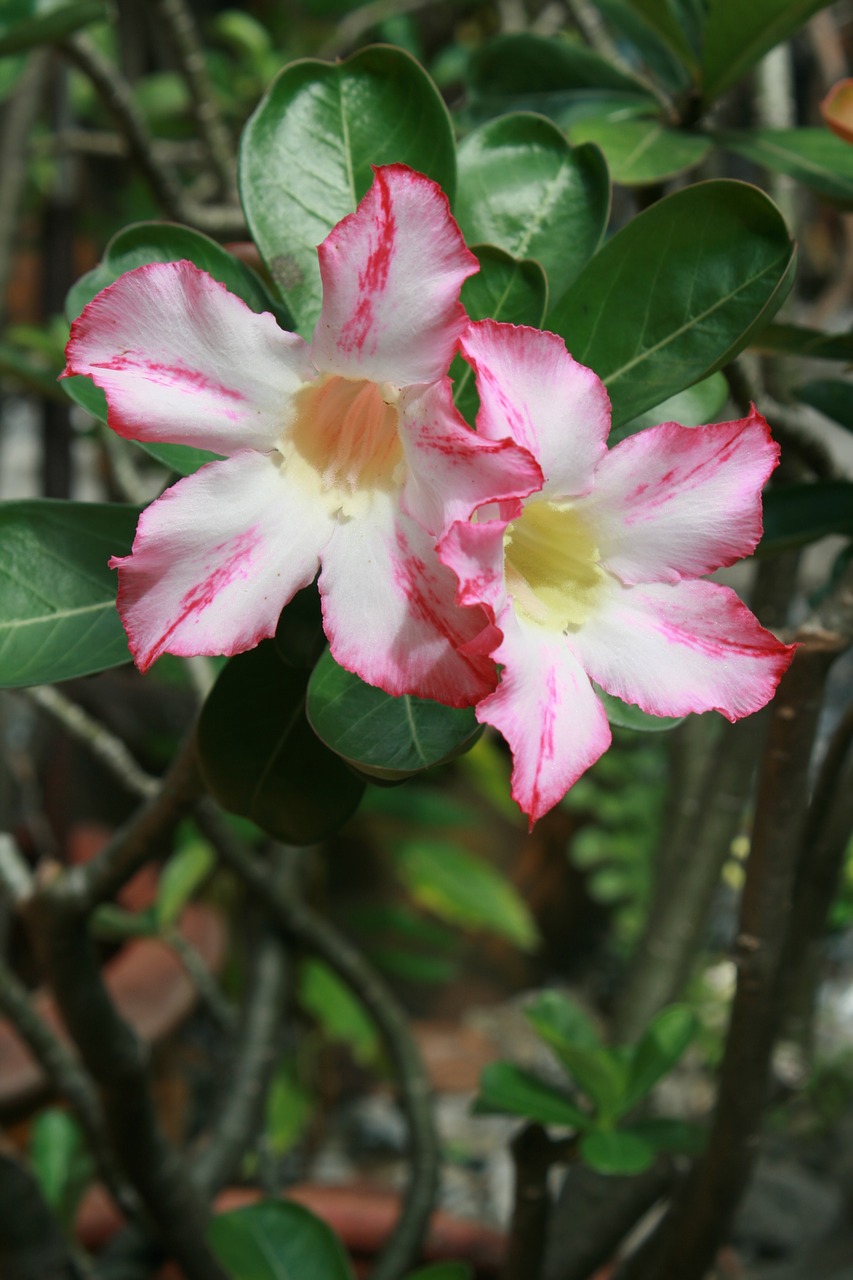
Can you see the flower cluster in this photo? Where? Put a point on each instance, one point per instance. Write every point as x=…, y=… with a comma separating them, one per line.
x=506, y=568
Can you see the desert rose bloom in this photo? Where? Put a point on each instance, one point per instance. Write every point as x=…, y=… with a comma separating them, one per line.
x=344, y=454
x=597, y=577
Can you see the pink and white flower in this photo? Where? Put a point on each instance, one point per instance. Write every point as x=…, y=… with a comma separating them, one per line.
x=597, y=576
x=344, y=454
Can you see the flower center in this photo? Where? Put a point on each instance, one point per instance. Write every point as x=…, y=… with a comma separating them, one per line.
x=346, y=432
x=551, y=566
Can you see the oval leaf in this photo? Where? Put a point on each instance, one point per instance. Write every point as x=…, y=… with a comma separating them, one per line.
x=660, y=1047
x=276, y=1240
x=260, y=758
x=738, y=34
x=642, y=151
x=627, y=716
x=814, y=157
x=57, y=607
x=509, y=1090
x=306, y=156
x=382, y=736
x=523, y=63
x=611, y=1152
x=678, y=292
x=523, y=188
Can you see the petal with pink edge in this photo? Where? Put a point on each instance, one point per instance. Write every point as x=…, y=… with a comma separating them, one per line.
x=391, y=275
x=673, y=501
x=547, y=710
x=676, y=648
x=390, y=612
x=475, y=553
x=216, y=558
x=532, y=390
x=451, y=469
x=182, y=360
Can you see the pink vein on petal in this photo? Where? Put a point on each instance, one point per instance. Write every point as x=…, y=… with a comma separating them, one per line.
x=373, y=276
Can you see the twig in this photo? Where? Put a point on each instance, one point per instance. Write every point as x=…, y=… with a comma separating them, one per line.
x=211, y=126
x=201, y=978
x=68, y=1079
x=108, y=748
x=16, y=879
x=533, y=1154
x=114, y=146
x=31, y=1241
x=304, y=926
x=352, y=27
x=786, y=423
x=18, y=120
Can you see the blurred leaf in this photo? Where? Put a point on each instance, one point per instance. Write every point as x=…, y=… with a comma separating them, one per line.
x=382, y=736
x=560, y=1020
x=307, y=150
x=289, y=1108
x=25, y=23
x=616, y=1152
x=448, y=880
x=182, y=875
x=814, y=157
x=677, y=292
x=442, y=1271
x=57, y=604
x=523, y=63
x=693, y=407
x=831, y=397
x=111, y=923
x=593, y=1068
x=628, y=716
x=737, y=35
x=277, y=1240
x=60, y=1161
x=523, y=188
x=796, y=514
x=510, y=1090
x=658, y=1050
x=837, y=109
x=337, y=1011
x=260, y=758
x=676, y=1136
x=414, y=966
x=639, y=152
x=792, y=339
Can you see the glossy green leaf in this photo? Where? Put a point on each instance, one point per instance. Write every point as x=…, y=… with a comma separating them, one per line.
x=796, y=340
x=737, y=35
x=61, y=1161
x=341, y=1014
x=639, y=152
x=797, y=514
x=666, y=18
x=307, y=150
x=523, y=188
x=57, y=604
x=595, y=1070
x=384, y=737
x=510, y=1090
x=277, y=1240
x=25, y=23
x=815, y=157
x=260, y=758
x=464, y=890
x=678, y=292
x=503, y=289
x=524, y=63
x=616, y=1152
x=627, y=716
x=702, y=403
x=831, y=397
x=658, y=1050
x=655, y=51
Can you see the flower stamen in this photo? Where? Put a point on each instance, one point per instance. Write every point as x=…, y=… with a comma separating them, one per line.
x=552, y=565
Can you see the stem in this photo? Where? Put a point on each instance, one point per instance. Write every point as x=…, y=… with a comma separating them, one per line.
x=19, y=117
x=533, y=1154
x=32, y=1245
x=300, y=924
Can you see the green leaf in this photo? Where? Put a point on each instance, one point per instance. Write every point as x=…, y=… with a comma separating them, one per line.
x=655, y=51
x=665, y=18
x=800, y=513
x=616, y=1152
x=523, y=188
x=639, y=152
x=60, y=1161
x=510, y=65
x=676, y=1136
x=277, y=1240
x=630, y=717
x=111, y=923
x=307, y=150
x=382, y=736
x=260, y=758
x=341, y=1015
x=595, y=1070
x=831, y=397
x=57, y=604
x=24, y=23
x=182, y=875
x=737, y=35
x=693, y=407
x=677, y=292
x=660, y=1047
x=449, y=881
x=815, y=157
x=796, y=340
x=510, y=1090
x=289, y=1108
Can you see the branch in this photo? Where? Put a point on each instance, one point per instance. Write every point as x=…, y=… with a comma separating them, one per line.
x=533, y=1154
x=19, y=117
x=31, y=1242
x=302, y=925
